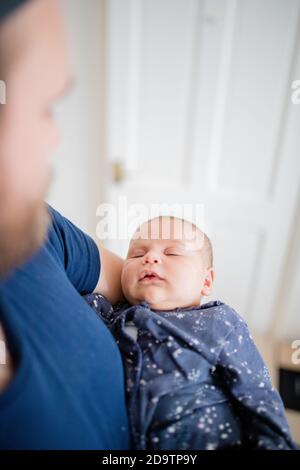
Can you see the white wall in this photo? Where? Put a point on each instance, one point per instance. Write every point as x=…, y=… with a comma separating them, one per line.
x=76, y=190
x=199, y=111
x=287, y=318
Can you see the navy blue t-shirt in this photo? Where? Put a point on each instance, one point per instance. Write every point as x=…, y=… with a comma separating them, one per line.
x=68, y=390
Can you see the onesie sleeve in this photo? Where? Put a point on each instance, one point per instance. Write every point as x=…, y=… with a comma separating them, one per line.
x=258, y=404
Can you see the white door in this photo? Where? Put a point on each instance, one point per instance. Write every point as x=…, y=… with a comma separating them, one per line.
x=199, y=111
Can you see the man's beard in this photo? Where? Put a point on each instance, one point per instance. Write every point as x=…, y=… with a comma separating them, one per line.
x=21, y=237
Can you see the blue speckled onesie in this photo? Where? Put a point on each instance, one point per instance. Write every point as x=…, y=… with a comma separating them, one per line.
x=195, y=379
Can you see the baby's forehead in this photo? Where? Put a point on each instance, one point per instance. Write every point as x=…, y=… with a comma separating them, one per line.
x=142, y=243
x=166, y=232
x=170, y=229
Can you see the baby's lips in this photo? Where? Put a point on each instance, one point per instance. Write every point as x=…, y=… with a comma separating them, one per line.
x=147, y=273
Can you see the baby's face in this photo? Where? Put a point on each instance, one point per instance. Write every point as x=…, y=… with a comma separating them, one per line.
x=166, y=272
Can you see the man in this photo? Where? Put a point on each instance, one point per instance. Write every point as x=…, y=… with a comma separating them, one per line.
x=61, y=383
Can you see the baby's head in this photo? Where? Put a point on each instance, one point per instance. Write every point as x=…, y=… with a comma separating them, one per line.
x=168, y=264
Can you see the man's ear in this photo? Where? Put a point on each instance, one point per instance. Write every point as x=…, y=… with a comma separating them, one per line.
x=208, y=281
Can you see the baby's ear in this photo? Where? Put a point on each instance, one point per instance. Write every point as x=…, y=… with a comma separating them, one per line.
x=208, y=282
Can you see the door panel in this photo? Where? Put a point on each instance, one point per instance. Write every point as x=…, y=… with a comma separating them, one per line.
x=199, y=112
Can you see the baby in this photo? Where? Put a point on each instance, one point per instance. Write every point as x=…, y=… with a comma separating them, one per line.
x=195, y=379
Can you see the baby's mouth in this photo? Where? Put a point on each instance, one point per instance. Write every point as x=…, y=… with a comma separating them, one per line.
x=148, y=275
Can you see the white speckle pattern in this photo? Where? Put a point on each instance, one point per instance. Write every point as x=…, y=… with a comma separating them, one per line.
x=194, y=377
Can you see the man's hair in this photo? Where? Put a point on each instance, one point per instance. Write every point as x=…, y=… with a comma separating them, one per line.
x=8, y=6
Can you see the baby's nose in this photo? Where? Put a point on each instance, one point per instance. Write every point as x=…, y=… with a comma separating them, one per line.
x=152, y=258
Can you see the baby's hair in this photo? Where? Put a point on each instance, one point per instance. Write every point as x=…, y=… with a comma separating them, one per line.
x=208, y=251
x=207, y=245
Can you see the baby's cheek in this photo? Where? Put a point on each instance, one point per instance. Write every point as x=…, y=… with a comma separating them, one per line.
x=127, y=290
x=124, y=281
x=183, y=283
x=180, y=277
x=127, y=279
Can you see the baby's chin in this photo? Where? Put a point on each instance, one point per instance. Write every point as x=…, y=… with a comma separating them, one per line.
x=157, y=301
x=151, y=298
x=154, y=302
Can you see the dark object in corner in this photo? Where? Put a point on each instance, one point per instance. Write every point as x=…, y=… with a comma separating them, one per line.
x=289, y=388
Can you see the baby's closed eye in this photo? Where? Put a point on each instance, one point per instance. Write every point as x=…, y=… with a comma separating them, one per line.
x=174, y=252
x=138, y=254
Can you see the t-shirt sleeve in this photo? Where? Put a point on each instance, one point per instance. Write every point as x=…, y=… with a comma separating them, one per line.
x=76, y=251
x=247, y=380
